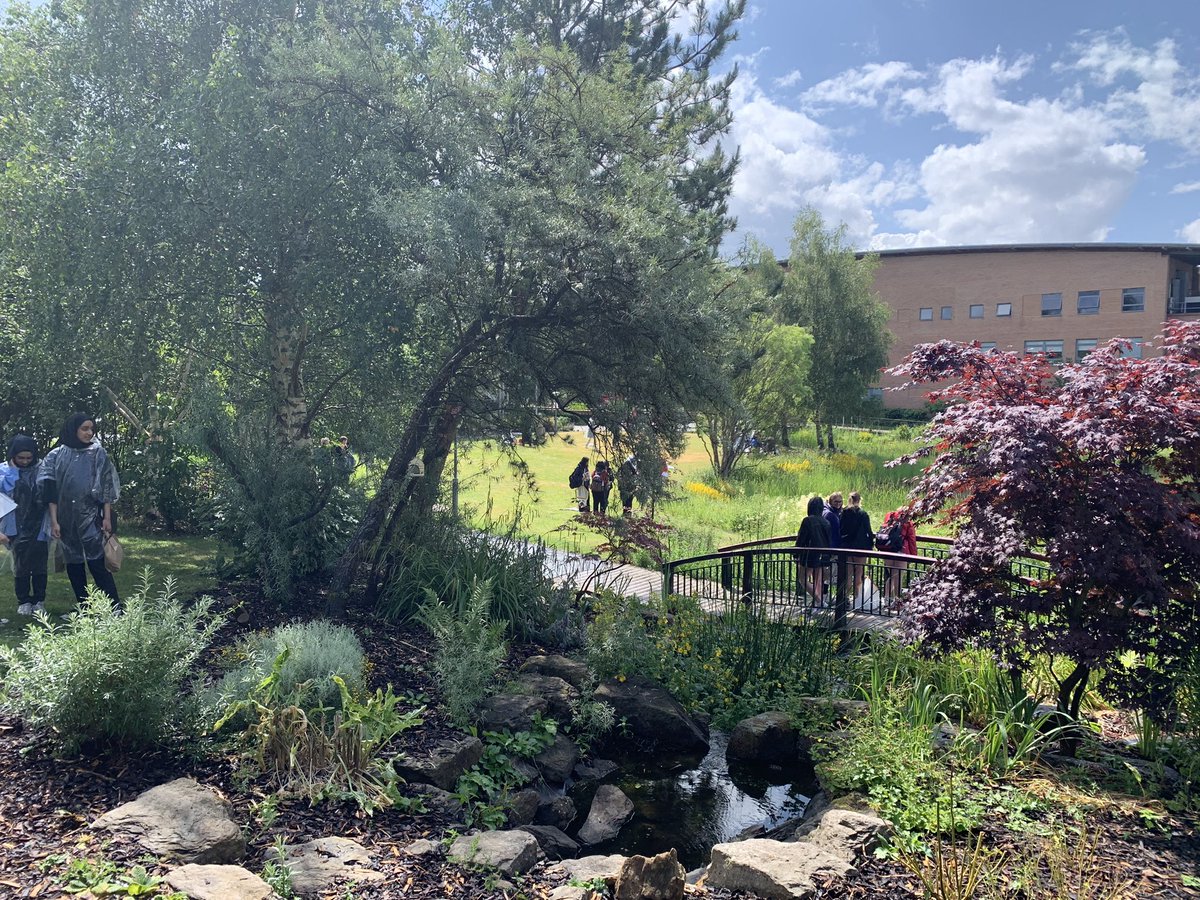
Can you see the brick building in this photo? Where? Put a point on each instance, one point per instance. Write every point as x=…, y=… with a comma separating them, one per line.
x=1058, y=299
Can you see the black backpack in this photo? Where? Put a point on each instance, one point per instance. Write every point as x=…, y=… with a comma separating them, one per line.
x=576, y=479
x=890, y=538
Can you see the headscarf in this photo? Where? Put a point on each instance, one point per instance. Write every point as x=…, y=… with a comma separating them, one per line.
x=22, y=443
x=70, y=427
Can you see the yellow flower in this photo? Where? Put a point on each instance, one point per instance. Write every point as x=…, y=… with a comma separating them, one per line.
x=620, y=678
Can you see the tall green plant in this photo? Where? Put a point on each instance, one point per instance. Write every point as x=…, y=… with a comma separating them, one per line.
x=111, y=676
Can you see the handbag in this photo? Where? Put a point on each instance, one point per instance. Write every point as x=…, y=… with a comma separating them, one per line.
x=60, y=561
x=114, y=554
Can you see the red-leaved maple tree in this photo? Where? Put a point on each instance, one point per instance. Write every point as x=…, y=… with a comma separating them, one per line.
x=1093, y=467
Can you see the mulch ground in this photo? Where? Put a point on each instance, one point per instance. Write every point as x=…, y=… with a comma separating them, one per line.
x=47, y=804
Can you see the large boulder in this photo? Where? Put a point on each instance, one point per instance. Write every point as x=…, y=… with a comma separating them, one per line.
x=511, y=852
x=558, y=693
x=654, y=721
x=208, y=882
x=658, y=877
x=515, y=712
x=774, y=870
x=181, y=821
x=588, y=868
x=444, y=764
x=610, y=810
x=319, y=865
x=522, y=807
x=557, y=811
x=572, y=671
x=767, y=738
x=556, y=762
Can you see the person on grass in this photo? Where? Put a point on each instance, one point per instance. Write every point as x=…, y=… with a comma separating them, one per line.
x=79, y=484
x=25, y=529
x=578, y=480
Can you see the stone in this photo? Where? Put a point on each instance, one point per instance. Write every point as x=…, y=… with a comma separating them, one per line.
x=437, y=801
x=572, y=671
x=554, y=842
x=180, y=821
x=773, y=870
x=587, y=868
x=767, y=738
x=596, y=770
x=658, y=877
x=849, y=832
x=510, y=852
x=512, y=711
x=209, y=882
x=610, y=810
x=522, y=807
x=559, y=812
x=422, y=847
x=841, y=709
x=558, y=694
x=556, y=762
x=571, y=892
x=319, y=865
x=444, y=764
x=656, y=722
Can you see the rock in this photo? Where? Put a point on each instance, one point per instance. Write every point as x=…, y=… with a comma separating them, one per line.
x=554, y=842
x=512, y=711
x=422, y=847
x=847, y=831
x=437, y=801
x=558, y=694
x=840, y=709
x=766, y=738
x=181, y=820
x=525, y=771
x=556, y=761
x=774, y=870
x=511, y=852
x=596, y=770
x=571, y=892
x=572, y=671
x=443, y=765
x=217, y=883
x=317, y=866
x=559, y=812
x=587, y=868
x=657, y=723
x=610, y=810
x=658, y=877
x=522, y=807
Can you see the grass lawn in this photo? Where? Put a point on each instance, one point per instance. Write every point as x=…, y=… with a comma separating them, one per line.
x=766, y=496
x=189, y=558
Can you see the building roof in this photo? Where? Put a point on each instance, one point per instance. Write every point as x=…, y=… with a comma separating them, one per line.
x=1191, y=251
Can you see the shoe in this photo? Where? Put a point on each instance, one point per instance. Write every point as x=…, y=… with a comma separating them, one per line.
x=39, y=608
x=25, y=609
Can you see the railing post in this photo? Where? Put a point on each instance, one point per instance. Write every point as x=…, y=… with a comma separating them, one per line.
x=841, y=605
x=668, y=579
x=747, y=576
x=727, y=574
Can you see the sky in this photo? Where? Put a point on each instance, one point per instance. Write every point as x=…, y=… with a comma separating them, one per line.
x=922, y=123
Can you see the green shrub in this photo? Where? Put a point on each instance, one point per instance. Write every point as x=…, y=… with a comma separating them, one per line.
x=107, y=676
x=316, y=651
x=618, y=645
x=470, y=649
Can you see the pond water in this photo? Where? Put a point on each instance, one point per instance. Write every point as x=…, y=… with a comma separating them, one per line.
x=691, y=804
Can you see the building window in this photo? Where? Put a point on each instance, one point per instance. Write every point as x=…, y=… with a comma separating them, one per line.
x=1133, y=300
x=1052, y=350
x=1003, y=310
x=1134, y=350
x=1084, y=346
x=947, y=312
x=926, y=314
x=1051, y=304
x=976, y=310
x=1089, y=303
x=987, y=345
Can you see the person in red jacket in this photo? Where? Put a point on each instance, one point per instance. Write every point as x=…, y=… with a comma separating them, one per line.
x=908, y=546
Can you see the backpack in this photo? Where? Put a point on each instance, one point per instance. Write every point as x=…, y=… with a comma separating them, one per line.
x=600, y=481
x=576, y=479
x=890, y=538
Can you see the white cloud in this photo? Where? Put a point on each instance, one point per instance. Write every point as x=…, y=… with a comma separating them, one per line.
x=791, y=79
x=1191, y=232
x=1188, y=187
x=859, y=87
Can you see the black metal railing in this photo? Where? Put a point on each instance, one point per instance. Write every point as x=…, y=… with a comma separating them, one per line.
x=849, y=588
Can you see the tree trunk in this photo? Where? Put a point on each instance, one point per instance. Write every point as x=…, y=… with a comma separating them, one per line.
x=829, y=438
x=287, y=335
x=820, y=436
x=785, y=440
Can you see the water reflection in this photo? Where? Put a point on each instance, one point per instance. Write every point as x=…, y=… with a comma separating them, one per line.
x=691, y=804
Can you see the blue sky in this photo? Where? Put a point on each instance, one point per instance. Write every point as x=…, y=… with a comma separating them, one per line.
x=949, y=122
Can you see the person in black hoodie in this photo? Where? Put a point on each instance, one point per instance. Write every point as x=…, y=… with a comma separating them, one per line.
x=813, y=538
x=857, y=534
x=579, y=481
x=24, y=529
